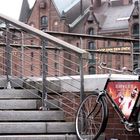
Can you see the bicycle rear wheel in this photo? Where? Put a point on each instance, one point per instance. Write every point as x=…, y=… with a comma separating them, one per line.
x=91, y=117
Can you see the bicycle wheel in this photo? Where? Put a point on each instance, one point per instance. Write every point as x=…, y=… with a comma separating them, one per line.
x=91, y=117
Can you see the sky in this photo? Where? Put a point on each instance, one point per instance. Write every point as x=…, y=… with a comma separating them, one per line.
x=11, y=8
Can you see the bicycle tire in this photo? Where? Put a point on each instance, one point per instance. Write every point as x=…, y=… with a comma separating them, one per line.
x=88, y=117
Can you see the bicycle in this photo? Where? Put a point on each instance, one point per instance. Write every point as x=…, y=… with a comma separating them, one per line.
x=92, y=114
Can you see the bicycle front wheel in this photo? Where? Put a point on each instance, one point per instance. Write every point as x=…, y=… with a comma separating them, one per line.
x=91, y=117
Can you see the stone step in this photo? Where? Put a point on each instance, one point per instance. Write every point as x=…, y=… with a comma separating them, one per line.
x=19, y=104
x=19, y=93
x=31, y=116
x=37, y=127
x=39, y=137
x=23, y=104
x=14, y=81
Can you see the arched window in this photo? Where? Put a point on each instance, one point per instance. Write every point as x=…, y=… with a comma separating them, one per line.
x=44, y=21
x=92, y=70
x=91, y=45
x=91, y=31
x=136, y=29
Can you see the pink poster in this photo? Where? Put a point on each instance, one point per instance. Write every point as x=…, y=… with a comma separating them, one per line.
x=124, y=94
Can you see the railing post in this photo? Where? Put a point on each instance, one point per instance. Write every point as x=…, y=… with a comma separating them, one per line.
x=8, y=55
x=22, y=55
x=81, y=79
x=44, y=75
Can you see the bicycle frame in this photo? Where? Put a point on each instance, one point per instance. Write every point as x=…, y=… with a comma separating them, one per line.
x=119, y=93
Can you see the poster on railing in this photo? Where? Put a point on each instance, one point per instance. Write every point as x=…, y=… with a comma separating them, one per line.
x=124, y=94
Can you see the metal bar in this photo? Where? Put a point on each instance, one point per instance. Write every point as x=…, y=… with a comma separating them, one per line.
x=44, y=74
x=22, y=55
x=8, y=53
x=95, y=37
x=81, y=80
x=43, y=35
x=132, y=56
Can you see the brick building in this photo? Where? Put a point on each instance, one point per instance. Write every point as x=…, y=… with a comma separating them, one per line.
x=115, y=18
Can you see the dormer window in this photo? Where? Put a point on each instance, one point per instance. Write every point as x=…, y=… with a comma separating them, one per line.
x=135, y=29
x=44, y=21
x=91, y=31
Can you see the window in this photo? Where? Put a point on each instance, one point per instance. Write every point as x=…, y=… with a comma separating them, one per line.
x=32, y=67
x=91, y=45
x=32, y=55
x=136, y=29
x=109, y=60
x=91, y=31
x=108, y=43
x=91, y=58
x=44, y=21
x=136, y=47
x=92, y=70
x=135, y=16
x=118, y=61
x=118, y=43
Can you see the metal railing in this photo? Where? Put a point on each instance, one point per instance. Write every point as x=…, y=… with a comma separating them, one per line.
x=50, y=65
x=32, y=56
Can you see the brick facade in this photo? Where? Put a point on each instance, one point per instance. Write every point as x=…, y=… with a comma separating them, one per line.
x=60, y=22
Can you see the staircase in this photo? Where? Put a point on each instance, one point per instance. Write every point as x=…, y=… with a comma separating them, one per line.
x=21, y=119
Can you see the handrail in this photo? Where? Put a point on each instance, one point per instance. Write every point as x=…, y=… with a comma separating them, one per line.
x=41, y=67
x=43, y=35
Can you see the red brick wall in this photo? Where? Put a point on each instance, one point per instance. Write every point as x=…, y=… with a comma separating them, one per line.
x=115, y=129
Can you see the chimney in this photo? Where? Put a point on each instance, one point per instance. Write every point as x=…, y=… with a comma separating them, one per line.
x=97, y=3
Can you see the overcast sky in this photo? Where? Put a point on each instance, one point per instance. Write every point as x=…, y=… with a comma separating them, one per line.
x=12, y=8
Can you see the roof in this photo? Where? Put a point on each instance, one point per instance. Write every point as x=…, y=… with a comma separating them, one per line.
x=110, y=18
x=71, y=8
x=117, y=17
x=25, y=10
x=64, y=5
